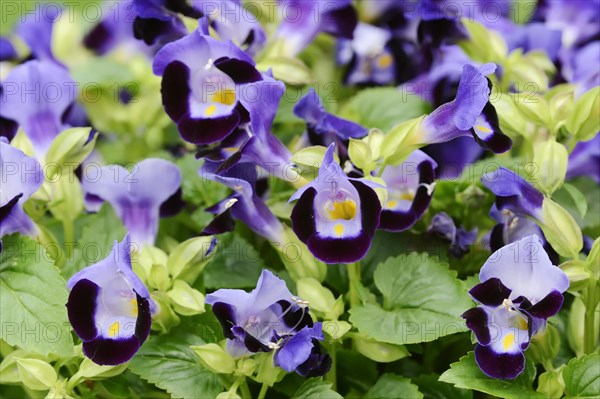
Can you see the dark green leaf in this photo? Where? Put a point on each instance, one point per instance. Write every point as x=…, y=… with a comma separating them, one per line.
x=314, y=388
x=236, y=264
x=582, y=377
x=392, y=386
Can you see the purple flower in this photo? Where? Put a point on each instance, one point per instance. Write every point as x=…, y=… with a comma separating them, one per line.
x=301, y=352
x=244, y=204
x=7, y=50
x=159, y=20
x=210, y=87
x=35, y=29
x=136, y=196
x=252, y=321
x=110, y=308
x=514, y=193
x=324, y=128
x=470, y=113
x=452, y=157
x=335, y=216
x=36, y=95
x=520, y=289
x=21, y=177
x=584, y=160
x=410, y=189
x=460, y=238
x=304, y=19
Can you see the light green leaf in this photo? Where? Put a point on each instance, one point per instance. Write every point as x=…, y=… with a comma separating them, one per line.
x=582, y=377
x=168, y=362
x=432, y=388
x=423, y=300
x=32, y=299
x=314, y=388
x=466, y=374
x=383, y=107
x=393, y=386
x=578, y=198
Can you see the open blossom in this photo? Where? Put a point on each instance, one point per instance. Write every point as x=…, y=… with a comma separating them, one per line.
x=520, y=289
x=410, y=189
x=270, y=317
x=21, y=177
x=136, y=196
x=110, y=308
x=336, y=216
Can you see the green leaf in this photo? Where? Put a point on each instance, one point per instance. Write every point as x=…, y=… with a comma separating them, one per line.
x=314, y=388
x=466, y=374
x=423, y=300
x=393, y=386
x=578, y=198
x=236, y=264
x=168, y=362
x=582, y=377
x=383, y=107
x=432, y=388
x=32, y=299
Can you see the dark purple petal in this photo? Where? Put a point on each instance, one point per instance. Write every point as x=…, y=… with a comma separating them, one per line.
x=303, y=215
x=370, y=207
x=340, y=22
x=335, y=250
x=497, y=237
x=317, y=364
x=175, y=90
x=495, y=140
x=477, y=321
x=111, y=352
x=144, y=319
x=8, y=127
x=239, y=70
x=226, y=316
x=513, y=193
x=172, y=205
x=81, y=307
x=499, y=365
x=207, y=131
x=251, y=343
x=491, y=292
x=296, y=349
x=547, y=307
x=453, y=156
x=296, y=319
x=222, y=223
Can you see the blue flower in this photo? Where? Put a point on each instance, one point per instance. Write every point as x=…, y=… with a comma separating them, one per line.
x=584, y=160
x=301, y=352
x=336, y=217
x=110, y=308
x=159, y=20
x=410, y=189
x=21, y=177
x=136, y=196
x=520, y=289
x=460, y=238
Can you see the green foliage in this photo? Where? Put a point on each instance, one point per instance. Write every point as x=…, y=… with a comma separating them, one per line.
x=32, y=299
x=582, y=377
x=314, y=388
x=422, y=301
x=466, y=374
x=392, y=386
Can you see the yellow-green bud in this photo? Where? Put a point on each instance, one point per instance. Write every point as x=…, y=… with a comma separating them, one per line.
x=189, y=258
x=215, y=358
x=361, y=156
x=67, y=197
x=158, y=277
x=379, y=351
x=289, y=69
x=297, y=259
x=185, y=300
x=71, y=147
x=246, y=367
x=320, y=298
x=90, y=370
x=552, y=159
x=165, y=318
x=267, y=372
x=143, y=260
x=577, y=273
x=585, y=118
x=36, y=374
x=560, y=229
x=551, y=384
x=545, y=346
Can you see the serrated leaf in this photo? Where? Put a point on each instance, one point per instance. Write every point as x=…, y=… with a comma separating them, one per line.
x=383, y=107
x=236, y=264
x=32, y=299
x=168, y=362
x=432, y=388
x=582, y=377
x=466, y=374
x=392, y=386
x=314, y=388
x=423, y=300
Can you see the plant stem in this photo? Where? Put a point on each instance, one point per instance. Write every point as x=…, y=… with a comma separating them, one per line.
x=263, y=391
x=68, y=230
x=331, y=376
x=354, y=283
x=245, y=390
x=589, y=336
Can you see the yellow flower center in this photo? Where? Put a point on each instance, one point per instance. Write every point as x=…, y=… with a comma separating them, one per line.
x=482, y=128
x=384, y=60
x=226, y=96
x=508, y=341
x=343, y=210
x=113, y=331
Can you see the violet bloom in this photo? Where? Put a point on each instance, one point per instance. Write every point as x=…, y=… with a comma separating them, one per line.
x=36, y=95
x=136, y=196
x=21, y=177
x=302, y=20
x=7, y=50
x=324, y=128
x=159, y=20
x=443, y=226
x=206, y=86
x=469, y=114
x=520, y=289
x=584, y=160
x=244, y=204
x=110, y=308
x=271, y=318
x=35, y=29
x=335, y=216
x=410, y=189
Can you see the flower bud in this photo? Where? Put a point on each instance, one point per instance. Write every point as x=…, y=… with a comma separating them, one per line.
x=158, y=277
x=246, y=367
x=545, y=346
x=561, y=103
x=189, y=258
x=267, y=372
x=36, y=374
x=215, y=358
x=165, y=318
x=67, y=197
x=297, y=259
x=379, y=351
x=560, y=229
x=584, y=120
x=320, y=298
x=361, y=155
x=90, y=370
x=148, y=255
x=577, y=273
x=185, y=300
x=72, y=146
x=375, y=139
x=552, y=159
x=551, y=384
